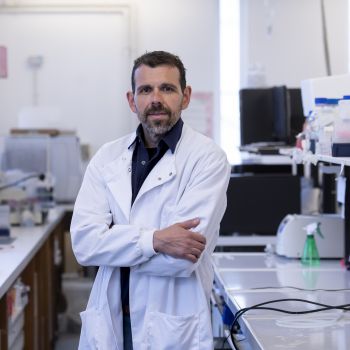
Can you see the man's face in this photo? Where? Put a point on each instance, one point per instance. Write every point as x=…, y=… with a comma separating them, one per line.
x=158, y=100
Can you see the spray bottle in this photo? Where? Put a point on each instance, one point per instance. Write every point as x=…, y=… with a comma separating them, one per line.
x=310, y=254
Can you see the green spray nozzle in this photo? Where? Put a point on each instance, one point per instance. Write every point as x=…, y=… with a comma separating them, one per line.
x=314, y=228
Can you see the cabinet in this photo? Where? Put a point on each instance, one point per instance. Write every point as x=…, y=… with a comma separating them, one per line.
x=37, y=260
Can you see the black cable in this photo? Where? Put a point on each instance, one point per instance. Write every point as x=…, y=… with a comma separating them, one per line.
x=259, y=306
x=324, y=307
x=15, y=183
x=340, y=307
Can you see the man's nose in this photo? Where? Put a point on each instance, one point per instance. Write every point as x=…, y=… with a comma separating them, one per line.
x=157, y=96
x=157, y=104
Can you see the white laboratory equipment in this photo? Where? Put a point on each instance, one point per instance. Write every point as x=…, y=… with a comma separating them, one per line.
x=291, y=235
x=58, y=157
x=28, y=196
x=329, y=87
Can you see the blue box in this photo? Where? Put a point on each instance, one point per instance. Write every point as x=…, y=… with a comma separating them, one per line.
x=341, y=149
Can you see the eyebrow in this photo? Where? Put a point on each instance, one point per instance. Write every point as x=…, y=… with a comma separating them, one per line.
x=168, y=85
x=141, y=87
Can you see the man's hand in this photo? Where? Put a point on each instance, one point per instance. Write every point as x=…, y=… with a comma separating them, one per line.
x=179, y=242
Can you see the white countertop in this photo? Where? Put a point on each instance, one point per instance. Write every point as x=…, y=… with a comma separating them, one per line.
x=251, y=158
x=245, y=240
x=247, y=279
x=14, y=257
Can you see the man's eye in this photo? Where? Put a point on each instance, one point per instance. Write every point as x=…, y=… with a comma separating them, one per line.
x=168, y=88
x=145, y=90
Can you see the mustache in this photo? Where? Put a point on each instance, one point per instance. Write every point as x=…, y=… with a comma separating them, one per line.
x=159, y=108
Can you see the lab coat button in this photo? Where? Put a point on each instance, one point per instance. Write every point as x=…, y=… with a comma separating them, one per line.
x=170, y=174
x=159, y=178
x=129, y=169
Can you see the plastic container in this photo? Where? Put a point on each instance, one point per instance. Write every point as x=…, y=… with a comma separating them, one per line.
x=325, y=127
x=341, y=132
x=324, y=142
x=310, y=128
x=4, y=221
x=310, y=255
x=329, y=112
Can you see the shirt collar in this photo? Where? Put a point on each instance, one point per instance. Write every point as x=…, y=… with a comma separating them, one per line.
x=170, y=138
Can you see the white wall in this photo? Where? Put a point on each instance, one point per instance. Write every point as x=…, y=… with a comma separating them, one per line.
x=294, y=49
x=188, y=28
x=82, y=73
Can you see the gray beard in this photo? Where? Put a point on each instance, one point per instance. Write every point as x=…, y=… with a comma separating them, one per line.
x=156, y=132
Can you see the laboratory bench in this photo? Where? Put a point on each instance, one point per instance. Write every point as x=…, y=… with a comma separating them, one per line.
x=243, y=280
x=30, y=283
x=245, y=243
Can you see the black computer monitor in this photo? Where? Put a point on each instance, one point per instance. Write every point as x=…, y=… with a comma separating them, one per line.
x=256, y=115
x=256, y=204
x=281, y=114
x=270, y=115
x=297, y=118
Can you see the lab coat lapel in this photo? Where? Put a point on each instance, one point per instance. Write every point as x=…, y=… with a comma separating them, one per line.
x=163, y=172
x=118, y=180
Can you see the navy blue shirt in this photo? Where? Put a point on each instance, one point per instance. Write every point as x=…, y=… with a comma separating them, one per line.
x=143, y=161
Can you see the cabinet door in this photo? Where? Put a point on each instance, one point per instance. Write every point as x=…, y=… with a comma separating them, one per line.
x=30, y=316
x=3, y=323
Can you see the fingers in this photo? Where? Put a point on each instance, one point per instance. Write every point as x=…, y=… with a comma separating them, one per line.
x=188, y=224
x=197, y=237
x=179, y=241
x=194, y=255
x=191, y=258
x=194, y=246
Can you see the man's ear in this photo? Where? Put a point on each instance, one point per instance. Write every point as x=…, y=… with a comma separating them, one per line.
x=187, y=97
x=130, y=97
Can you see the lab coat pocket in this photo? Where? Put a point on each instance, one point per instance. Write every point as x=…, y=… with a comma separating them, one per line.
x=96, y=332
x=168, y=332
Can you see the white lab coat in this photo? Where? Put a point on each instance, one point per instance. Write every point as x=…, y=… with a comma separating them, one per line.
x=169, y=297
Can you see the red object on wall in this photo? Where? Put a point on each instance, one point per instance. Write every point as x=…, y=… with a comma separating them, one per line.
x=3, y=62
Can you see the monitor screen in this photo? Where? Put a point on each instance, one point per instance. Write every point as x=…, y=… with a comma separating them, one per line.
x=281, y=114
x=256, y=115
x=256, y=204
x=297, y=118
x=270, y=115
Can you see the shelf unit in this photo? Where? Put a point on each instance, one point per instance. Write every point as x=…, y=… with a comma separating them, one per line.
x=298, y=156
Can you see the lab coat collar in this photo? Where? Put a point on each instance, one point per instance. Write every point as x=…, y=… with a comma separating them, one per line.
x=117, y=175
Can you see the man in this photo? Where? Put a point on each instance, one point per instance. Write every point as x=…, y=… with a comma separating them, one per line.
x=148, y=215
